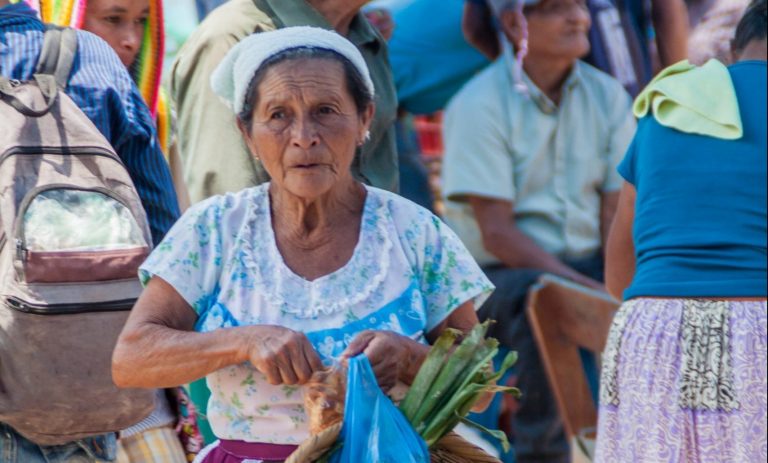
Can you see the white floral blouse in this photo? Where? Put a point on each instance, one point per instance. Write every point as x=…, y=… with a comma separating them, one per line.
x=407, y=274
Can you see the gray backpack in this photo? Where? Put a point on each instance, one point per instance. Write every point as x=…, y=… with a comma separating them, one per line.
x=72, y=235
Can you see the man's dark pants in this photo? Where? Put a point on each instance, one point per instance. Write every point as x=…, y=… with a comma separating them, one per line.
x=538, y=431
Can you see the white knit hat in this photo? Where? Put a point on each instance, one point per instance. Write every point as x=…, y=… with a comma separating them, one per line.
x=231, y=78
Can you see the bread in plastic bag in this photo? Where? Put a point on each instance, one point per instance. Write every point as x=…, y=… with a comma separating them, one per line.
x=324, y=398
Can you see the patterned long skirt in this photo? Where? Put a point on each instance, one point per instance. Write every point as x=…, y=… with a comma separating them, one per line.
x=684, y=380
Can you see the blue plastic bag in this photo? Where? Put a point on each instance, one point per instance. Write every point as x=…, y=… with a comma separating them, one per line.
x=374, y=430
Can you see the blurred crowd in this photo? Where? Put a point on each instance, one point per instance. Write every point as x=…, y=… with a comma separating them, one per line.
x=526, y=125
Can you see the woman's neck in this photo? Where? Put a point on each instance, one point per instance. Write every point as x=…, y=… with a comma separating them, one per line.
x=339, y=13
x=756, y=50
x=548, y=74
x=310, y=223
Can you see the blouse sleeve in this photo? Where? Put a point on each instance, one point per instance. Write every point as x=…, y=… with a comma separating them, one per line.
x=446, y=272
x=190, y=256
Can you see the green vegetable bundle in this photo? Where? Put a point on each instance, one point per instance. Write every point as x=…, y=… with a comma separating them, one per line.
x=450, y=382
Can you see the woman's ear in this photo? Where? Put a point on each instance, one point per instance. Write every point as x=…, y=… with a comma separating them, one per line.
x=366, y=118
x=244, y=130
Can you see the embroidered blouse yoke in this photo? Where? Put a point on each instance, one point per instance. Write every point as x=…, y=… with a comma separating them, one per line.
x=408, y=272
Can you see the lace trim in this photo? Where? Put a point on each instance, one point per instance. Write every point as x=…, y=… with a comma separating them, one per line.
x=706, y=371
x=347, y=286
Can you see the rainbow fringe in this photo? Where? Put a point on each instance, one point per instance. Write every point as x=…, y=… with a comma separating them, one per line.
x=148, y=68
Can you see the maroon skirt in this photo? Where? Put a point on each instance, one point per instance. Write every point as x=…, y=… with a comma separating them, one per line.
x=236, y=451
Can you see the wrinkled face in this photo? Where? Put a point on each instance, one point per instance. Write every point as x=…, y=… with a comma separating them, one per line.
x=306, y=126
x=559, y=29
x=120, y=23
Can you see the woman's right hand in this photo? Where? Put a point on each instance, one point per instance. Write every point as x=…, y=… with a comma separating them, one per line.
x=284, y=356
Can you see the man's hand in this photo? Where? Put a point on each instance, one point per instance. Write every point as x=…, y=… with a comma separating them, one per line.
x=382, y=20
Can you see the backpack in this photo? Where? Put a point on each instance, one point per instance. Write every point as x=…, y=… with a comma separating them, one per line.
x=73, y=233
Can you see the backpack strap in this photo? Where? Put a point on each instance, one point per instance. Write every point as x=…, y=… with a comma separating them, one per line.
x=58, y=54
x=52, y=71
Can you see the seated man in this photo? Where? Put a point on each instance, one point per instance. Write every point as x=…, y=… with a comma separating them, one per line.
x=530, y=182
x=619, y=37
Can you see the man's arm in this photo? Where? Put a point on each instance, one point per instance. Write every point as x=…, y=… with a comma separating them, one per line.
x=149, y=171
x=502, y=238
x=670, y=20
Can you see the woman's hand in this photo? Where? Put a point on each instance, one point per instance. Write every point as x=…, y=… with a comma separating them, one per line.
x=393, y=357
x=284, y=356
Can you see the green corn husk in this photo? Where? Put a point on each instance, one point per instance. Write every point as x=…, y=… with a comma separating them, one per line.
x=428, y=372
x=496, y=433
x=456, y=409
x=449, y=384
x=446, y=382
x=482, y=356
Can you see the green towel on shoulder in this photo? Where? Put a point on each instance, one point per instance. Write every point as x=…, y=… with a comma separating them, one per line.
x=691, y=99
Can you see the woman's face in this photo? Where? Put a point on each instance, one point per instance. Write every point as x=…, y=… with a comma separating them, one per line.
x=306, y=126
x=120, y=23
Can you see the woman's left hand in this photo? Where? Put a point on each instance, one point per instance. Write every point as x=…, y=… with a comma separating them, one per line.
x=392, y=356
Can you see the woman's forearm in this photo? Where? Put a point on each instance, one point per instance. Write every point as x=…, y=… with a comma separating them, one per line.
x=156, y=356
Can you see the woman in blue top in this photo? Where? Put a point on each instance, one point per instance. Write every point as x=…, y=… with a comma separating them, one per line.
x=684, y=373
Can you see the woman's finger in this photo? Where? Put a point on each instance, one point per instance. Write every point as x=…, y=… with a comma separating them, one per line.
x=287, y=373
x=306, y=364
x=270, y=369
x=312, y=357
x=359, y=344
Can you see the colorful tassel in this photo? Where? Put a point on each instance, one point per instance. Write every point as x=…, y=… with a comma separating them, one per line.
x=148, y=68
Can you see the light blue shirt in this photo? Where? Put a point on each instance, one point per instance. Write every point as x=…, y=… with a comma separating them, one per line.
x=553, y=162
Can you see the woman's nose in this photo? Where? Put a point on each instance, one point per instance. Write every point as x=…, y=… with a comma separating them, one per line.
x=304, y=132
x=130, y=41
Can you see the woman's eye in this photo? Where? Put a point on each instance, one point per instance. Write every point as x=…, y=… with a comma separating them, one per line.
x=325, y=110
x=277, y=115
x=112, y=19
x=142, y=21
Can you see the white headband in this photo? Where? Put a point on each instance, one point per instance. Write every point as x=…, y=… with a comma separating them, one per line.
x=232, y=76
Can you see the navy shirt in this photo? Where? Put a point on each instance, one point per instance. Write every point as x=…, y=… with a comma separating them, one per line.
x=101, y=86
x=700, y=217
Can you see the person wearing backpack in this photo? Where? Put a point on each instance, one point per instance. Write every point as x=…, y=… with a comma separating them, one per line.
x=100, y=86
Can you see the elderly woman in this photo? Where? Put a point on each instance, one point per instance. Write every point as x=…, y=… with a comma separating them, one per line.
x=255, y=290
x=684, y=371
x=207, y=128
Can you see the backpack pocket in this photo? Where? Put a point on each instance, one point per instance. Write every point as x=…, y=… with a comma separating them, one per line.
x=67, y=234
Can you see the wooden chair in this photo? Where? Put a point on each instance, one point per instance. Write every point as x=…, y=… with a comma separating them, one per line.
x=564, y=317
